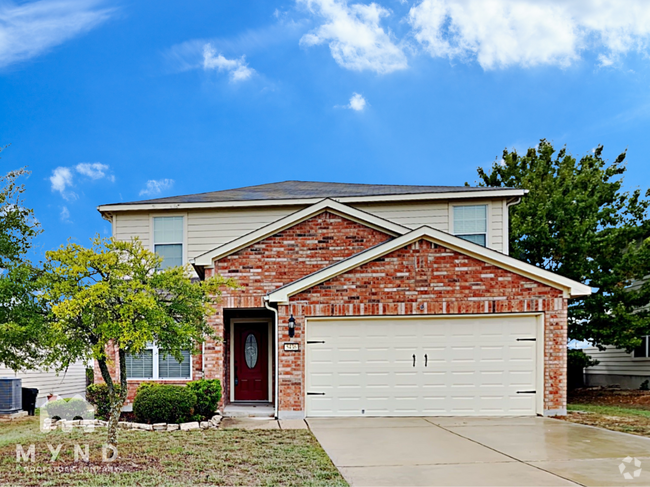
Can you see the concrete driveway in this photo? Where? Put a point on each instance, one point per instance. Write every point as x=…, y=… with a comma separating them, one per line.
x=479, y=452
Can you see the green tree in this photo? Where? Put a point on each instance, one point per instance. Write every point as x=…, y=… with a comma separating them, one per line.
x=114, y=294
x=21, y=316
x=578, y=221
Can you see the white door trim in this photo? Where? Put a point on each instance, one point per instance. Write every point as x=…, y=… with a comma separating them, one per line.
x=268, y=321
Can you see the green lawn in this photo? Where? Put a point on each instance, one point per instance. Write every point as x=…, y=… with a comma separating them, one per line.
x=210, y=457
x=626, y=419
x=609, y=410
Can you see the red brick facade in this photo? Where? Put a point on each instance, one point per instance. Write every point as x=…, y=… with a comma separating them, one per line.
x=419, y=279
x=296, y=252
x=427, y=279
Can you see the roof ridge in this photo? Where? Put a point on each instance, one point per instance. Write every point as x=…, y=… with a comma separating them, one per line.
x=297, y=189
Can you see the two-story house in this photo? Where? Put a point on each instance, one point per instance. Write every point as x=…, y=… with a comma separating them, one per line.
x=362, y=300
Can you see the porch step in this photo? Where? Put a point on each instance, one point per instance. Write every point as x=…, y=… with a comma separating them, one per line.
x=249, y=410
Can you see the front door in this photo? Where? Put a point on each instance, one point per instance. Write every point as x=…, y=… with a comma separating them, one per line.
x=251, y=362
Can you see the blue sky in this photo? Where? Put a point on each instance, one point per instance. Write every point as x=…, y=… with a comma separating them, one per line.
x=109, y=101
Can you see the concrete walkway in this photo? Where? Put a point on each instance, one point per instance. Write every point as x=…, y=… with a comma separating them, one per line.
x=480, y=452
x=263, y=424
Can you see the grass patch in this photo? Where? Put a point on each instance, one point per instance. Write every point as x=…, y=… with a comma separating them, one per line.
x=609, y=410
x=209, y=457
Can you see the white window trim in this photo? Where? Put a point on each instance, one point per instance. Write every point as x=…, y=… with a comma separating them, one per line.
x=488, y=214
x=152, y=240
x=155, y=356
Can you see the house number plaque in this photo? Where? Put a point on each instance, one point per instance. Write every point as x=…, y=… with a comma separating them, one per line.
x=291, y=347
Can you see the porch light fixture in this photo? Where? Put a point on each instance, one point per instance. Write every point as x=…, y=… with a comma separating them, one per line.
x=292, y=326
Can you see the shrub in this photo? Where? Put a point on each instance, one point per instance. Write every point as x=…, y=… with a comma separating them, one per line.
x=146, y=385
x=71, y=408
x=208, y=395
x=645, y=385
x=579, y=359
x=97, y=394
x=164, y=404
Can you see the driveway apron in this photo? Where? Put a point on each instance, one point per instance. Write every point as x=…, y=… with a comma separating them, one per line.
x=481, y=452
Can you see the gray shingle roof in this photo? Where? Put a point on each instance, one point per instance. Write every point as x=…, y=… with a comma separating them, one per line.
x=306, y=189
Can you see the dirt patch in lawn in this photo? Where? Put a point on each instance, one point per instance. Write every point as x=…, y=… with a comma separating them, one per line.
x=611, y=397
x=627, y=411
x=637, y=425
x=180, y=458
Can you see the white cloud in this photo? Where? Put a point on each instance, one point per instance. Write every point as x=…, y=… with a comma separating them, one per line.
x=357, y=102
x=30, y=29
x=61, y=179
x=237, y=69
x=503, y=33
x=94, y=170
x=155, y=187
x=65, y=214
x=355, y=37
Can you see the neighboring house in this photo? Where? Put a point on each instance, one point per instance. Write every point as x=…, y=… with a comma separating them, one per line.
x=65, y=384
x=362, y=300
x=617, y=367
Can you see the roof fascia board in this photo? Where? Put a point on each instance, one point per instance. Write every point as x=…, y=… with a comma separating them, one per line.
x=435, y=196
x=206, y=259
x=572, y=288
x=310, y=201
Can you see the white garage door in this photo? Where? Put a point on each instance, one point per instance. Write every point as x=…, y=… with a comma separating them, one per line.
x=427, y=367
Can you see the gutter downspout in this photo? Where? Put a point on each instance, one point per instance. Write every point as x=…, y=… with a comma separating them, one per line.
x=277, y=357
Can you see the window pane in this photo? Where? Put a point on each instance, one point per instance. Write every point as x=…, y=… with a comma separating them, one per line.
x=477, y=239
x=170, y=368
x=470, y=219
x=641, y=350
x=140, y=366
x=172, y=255
x=168, y=229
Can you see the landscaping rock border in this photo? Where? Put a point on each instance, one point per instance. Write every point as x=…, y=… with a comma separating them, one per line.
x=89, y=424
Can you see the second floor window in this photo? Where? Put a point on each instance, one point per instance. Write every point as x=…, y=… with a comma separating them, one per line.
x=470, y=223
x=168, y=240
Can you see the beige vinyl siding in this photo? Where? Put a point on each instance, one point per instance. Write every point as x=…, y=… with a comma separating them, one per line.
x=210, y=228
x=129, y=225
x=495, y=225
x=412, y=215
x=65, y=384
x=615, y=361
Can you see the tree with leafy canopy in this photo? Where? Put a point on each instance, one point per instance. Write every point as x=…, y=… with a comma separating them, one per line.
x=21, y=315
x=578, y=221
x=115, y=294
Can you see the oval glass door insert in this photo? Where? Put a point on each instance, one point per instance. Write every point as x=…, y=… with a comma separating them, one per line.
x=250, y=351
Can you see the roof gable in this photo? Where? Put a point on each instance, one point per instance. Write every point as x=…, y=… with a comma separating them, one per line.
x=570, y=287
x=206, y=259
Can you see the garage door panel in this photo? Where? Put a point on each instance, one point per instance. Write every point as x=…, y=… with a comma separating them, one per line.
x=473, y=366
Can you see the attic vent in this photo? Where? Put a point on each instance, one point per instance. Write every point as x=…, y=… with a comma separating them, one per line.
x=11, y=399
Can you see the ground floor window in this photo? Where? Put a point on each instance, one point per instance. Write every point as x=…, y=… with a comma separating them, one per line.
x=153, y=363
x=642, y=350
